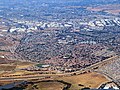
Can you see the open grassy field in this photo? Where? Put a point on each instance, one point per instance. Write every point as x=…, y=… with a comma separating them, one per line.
x=5, y=82
x=21, y=65
x=18, y=73
x=6, y=66
x=13, y=69
x=91, y=80
x=46, y=86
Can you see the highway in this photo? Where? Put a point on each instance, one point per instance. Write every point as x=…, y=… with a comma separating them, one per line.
x=41, y=77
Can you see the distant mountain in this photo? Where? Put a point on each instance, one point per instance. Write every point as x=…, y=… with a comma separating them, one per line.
x=82, y=1
x=64, y=1
x=91, y=1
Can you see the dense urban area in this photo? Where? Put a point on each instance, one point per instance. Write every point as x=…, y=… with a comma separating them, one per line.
x=47, y=45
